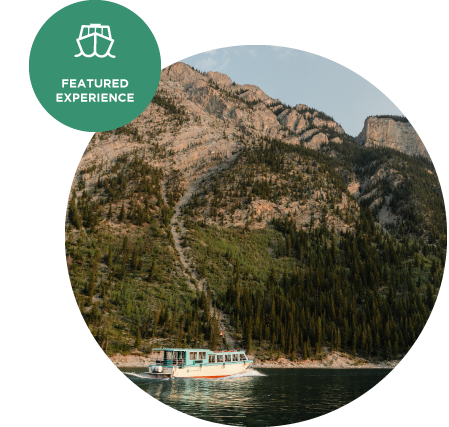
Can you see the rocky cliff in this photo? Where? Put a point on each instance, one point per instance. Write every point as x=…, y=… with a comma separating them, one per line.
x=388, y=132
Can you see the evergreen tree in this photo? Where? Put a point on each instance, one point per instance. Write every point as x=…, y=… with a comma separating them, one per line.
x=152, y=271
x=354, y=343
x=318, y=342
x=122, y=214
x=247, y=339
x=215, y=331
x=389, y=351
x=135, y=261
x=156, y=321
x=122, y=272
x=91, y=287
x=138, y=341
x=396, y=345
x=429, y=296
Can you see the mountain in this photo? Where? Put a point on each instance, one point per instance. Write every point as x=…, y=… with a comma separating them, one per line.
x=222, y=209
x=393, y=132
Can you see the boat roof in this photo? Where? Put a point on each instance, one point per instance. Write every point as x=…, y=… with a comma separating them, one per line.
x=198, y=349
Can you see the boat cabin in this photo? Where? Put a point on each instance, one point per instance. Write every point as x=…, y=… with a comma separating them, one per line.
x=193, y=356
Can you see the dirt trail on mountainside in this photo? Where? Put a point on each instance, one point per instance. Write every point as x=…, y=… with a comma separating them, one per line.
x=178, y=235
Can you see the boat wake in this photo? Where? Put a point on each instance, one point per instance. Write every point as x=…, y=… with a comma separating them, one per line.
x=137, y=376
x=249, y=373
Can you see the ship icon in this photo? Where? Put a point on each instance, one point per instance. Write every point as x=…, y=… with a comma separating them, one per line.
x=95, y=40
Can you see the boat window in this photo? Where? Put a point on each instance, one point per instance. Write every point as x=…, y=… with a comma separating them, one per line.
x=227, y=357
x=219, y=358
x=168, y=355
x=235, y=357
x=211, y=359
x=202, y=355
x=178, y=355
x=193, y=355
x=242, y=357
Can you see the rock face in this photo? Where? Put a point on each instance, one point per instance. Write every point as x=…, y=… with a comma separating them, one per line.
x=317, y=141
x=386, y=132
x=200, y=119
x=293, y=121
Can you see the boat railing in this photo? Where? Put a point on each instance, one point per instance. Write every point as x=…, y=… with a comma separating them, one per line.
x=175, y=362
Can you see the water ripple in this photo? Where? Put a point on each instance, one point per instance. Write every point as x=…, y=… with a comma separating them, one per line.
x=262, y=397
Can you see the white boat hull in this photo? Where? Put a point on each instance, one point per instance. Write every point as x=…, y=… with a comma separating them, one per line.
x=198, y=371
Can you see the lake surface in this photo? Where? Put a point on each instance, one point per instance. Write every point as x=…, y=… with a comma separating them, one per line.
x=264, y=397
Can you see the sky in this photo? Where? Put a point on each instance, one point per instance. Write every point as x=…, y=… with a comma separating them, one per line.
x=298, y=77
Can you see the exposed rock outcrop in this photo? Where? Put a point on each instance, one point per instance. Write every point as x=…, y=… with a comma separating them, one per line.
x=294, y=121
x=387, y=132
x=317, y=141
x=327, y=123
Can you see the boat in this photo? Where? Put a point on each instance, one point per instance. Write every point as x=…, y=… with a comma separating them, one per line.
x=198, y=363
x=95, y=40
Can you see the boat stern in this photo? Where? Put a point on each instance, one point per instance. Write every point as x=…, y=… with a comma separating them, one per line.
x=159, y=372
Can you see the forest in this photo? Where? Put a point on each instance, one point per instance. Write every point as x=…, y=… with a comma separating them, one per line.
x=366, y=289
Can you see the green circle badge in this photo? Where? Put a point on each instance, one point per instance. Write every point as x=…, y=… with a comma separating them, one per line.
x=95, y=66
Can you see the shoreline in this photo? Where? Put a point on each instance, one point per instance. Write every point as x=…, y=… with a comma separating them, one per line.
x=318, y=365
x=335, y=360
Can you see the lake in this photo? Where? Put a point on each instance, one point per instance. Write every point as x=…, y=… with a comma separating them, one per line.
x=263, y=397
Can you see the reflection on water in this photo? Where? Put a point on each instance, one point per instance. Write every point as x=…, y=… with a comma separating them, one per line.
x=266, y=397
